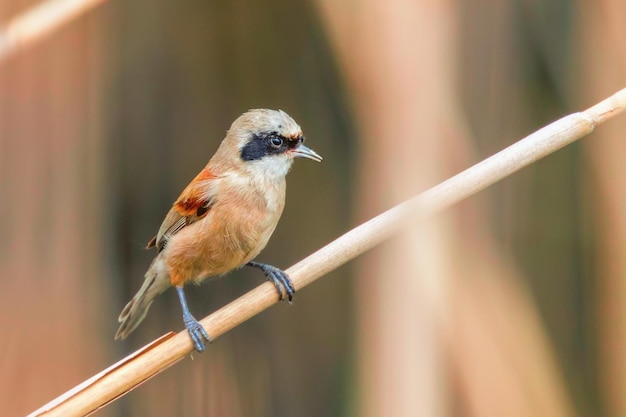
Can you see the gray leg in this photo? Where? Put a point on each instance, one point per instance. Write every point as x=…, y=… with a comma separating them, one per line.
x=196, y=331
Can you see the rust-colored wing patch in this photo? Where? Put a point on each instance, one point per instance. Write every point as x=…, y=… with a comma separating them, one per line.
x=192, y=205
x=191, y=200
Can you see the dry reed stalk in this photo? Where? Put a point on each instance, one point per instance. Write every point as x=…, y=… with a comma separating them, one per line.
x=40, y=21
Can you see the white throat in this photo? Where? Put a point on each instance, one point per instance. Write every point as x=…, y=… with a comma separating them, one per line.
x=273, y=168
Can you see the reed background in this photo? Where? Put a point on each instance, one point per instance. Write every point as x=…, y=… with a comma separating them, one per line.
x=511, y=303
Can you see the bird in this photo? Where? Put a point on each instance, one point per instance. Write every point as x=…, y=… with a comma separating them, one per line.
x=225, y=216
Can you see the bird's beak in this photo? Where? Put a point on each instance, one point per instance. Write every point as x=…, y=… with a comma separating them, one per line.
x=304, y=152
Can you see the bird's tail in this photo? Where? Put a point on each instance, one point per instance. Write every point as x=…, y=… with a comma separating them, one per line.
x=156, y=281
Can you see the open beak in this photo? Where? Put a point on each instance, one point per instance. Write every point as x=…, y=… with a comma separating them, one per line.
x=304, y=152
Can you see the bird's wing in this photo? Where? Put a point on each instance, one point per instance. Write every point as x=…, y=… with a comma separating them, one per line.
x=193, y=204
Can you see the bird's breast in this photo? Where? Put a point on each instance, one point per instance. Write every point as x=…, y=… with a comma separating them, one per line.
x=237, y=227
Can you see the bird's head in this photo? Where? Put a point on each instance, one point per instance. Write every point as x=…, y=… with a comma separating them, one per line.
x=266, y=142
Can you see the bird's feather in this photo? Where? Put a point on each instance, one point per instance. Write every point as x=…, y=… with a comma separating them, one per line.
x=192, y=205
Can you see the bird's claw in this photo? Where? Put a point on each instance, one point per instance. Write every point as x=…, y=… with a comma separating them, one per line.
x=281, y=280
x=197, y=333
x=283, y=284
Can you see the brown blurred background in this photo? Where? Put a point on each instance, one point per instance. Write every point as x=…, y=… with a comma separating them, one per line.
x=510, y=304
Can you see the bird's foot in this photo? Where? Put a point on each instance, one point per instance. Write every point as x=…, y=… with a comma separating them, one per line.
x=281, y=280
x=196, y=332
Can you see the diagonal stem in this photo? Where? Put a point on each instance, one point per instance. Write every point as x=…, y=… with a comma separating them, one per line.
x=38, y=22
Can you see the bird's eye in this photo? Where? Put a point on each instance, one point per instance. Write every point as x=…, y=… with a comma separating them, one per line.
x=276, y=142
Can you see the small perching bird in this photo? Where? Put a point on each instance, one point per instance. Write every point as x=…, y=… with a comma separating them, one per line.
x=225, y=216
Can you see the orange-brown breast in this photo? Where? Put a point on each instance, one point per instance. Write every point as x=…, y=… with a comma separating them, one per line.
x=235, y=230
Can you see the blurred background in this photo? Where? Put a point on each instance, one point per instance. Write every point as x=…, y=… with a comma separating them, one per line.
x=512, y=303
